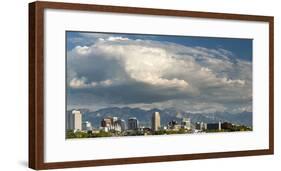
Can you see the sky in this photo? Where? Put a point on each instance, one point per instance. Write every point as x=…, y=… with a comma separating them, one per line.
x=191, y=74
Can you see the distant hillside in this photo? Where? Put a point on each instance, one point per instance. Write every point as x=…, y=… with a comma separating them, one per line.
x=144, y=116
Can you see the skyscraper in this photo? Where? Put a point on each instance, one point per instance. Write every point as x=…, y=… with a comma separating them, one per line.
x=122, y=124
x=155, y=121
x=77, y=119
x=133, y=123
x=106, y=122
x=69, y=124
x=74, y=120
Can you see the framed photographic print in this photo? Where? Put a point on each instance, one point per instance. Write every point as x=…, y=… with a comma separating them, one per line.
x=118, y=85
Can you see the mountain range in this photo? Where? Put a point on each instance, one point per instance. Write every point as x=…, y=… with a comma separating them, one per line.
x=167, y=115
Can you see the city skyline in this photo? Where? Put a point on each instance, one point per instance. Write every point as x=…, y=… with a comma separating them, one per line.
x=193, y=74
x=112, y=126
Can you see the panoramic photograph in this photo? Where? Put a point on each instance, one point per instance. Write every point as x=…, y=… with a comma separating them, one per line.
x=120, y=84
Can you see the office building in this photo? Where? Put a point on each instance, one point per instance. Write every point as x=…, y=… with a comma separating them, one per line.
x=69, y=124
x=106, y=122
x=74, y=120
x=87, y=126
x=77, y=119
x=186, y=123
x=122, y=124
x=200, y=126
x=155, y=121
x=133, y=123
x=114, y=119
x=113, y=123
x=214, y=126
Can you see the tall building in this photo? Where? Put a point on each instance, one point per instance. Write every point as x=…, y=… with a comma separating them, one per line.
x=186, y=123
x=201, y=126
x=114, y=119
x=69, y=124
x=77, y=118
x=74, y=120
x=122, y=124
x=106, y=122
x=87, y=126
x=214, y=126
x=198, y=126
x=113, y=123
x=155, y=121
x=133, y=123
x=116, y=127
x=204, y=126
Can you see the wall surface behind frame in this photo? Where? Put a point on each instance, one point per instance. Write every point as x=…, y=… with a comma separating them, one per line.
x=14, y=85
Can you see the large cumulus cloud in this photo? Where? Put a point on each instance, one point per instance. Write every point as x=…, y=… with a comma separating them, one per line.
x=146, y=73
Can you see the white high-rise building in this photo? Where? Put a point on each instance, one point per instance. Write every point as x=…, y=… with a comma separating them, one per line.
x=74, y=120
x=155, y=121
x=77, y=120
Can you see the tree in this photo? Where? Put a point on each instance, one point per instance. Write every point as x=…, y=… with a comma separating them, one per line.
x=70, y=134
